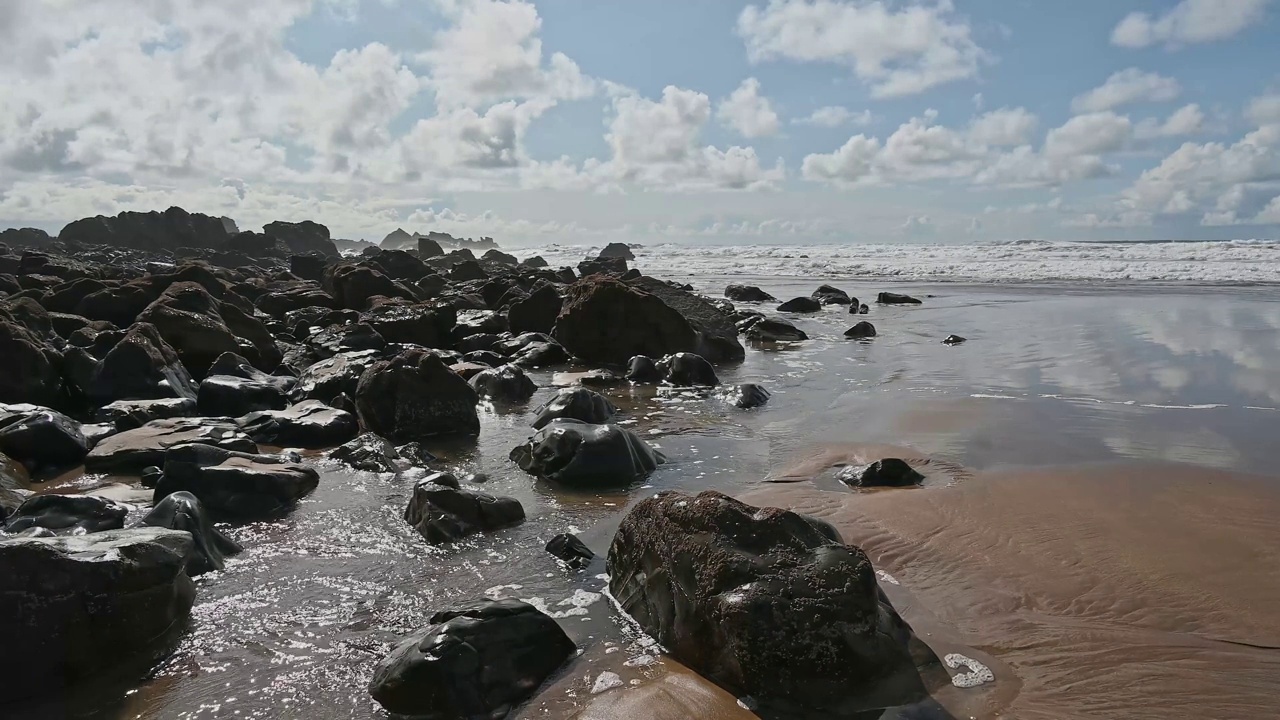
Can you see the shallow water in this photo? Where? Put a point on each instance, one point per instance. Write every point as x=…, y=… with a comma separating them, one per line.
x=1097, y=521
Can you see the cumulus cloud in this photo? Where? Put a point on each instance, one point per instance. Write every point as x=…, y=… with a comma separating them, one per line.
x=897, y=50
x=1126, y=87
x=1187, y=120
x=1004, y=127
x=1189, y=22
x=835, y=116
x=748, y=112
x=1264, y=110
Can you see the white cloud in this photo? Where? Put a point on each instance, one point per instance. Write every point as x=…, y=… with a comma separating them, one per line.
x=1004, y=127
x=1092, y=134
x=835, y=116
x=1125, y=87
x=1264, y=110
x=851, y=163
x=1269, y=214
x=1189, y=22
x=748, y=112
x=898, y=51
x=1187, y=120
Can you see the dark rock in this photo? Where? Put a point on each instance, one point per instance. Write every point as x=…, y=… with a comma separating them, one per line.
x=41, y=439
x=303, y=238
x=183, y=511
x=863, y=329
x=132, y=450
x=335, y=376
x=235, y=366
x=443, y=513
x=66, y=324
x=747, y=293
x=428, y=248
x=369, y=453
x=747, y=395
x=571, y=550
x=890, y=472
x=953, y=340
x=400, y=265
x=354, y=285
x=580, y=454
x=304, y=295
x=775, y=330
x=32, y=369
x=140, y=366
x=309, y=424
x=744, y=319
x=467, y=270
x=415, y=454
x=862, y=309
x=601, y=377
x=478, y=662
x=201, y=328
x=642, y=370
x=67, y=514
x=829, y=295
x=308, y=267
x=228, y=396
x=607, y=321
x=497, y=256
x=426, y=325
x=602, y=266
x=507, y=383
x=468, y=370
x=65, y=298
x=687, y=370
x=235, y=485
x=541, y=354
x=154, y=231
x=800, y=305
x=717, y=336
x=536, y=313
x=762, y=602
x=327, y=342
x=616, y=250
x=484, y=357
x=534, y=262
x=151, y=476
x=82, y=605
x=413, y=396
x=119, y=305
x=575, y=404
x=888, y=298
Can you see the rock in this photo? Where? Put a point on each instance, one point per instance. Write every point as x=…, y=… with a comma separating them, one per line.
x=235, y=485
x=863, y=329
x=468, y=370
x=141, y=366
x=575, y=404
x=579, y=454
x=507, y=383
x=43, y=440
x=67, y=514
x=571, y=550
x=607, y=321
x=329, y=378
x=763, y=602
x=747, y=395
x=862, y=309
x=415, y=454
x=151, y=476
x=829, y=295
x=154, y=231
x=236, y=366
x=400, y=265
x=687, y=370
x=183, y=511
x=601, y=377
x=541, y=354
x=309, y=424
x=413, y=396
x=304, y=295
x=303, y=238
x=800, y=305
x=132, y=450
x=13, y=484
x=467, y=270
x=354, y=285
x=890, y=472
x=484, y=357
x=536, y=313
x=888, y=298
x=497, y=256
x=426, y=325
x=201, y=328
x=369, y=453
x=534, y=262
x=308, y=267
x=480, y=661
x=775, y=330
x=717, y=335
x=87, y=604
x=351, y=337
x=747, y=293
x=953, y=340
x=602, y=266
x=428, y=248
x=227, y=396
x=32, y=369
x=616, y=250
x=642, y=370
x=443, y=513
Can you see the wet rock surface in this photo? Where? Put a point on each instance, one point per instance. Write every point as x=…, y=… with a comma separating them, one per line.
x=183, y=511
x=575, y=404
x=235, y=485
x=131, y=451
x=580, y=454
x=67, y=515
x=413, y=396
x=442, y=512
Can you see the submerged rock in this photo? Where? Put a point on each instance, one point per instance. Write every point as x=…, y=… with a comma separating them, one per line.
x=442, y=512
x=774, y=330
x=687, y=370
x=888, y=298
x=234, y=485
x=642, y=370
x=571, y=550
x=800, y=305
x=368, y=452
x=576, y=404
x=67, y=514
x=575, y=453
x=828, y=295
x=863, y=329
x=479, y=661
x=747, y=293
x=183, y=511
x=953, y=340
x=414, y=396
x=890, y=472
x=508, y=383
x=747, y=395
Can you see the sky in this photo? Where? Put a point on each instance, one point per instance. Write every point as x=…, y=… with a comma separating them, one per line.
x=577, y=121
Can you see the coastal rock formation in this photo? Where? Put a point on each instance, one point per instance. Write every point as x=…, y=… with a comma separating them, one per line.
x=32, y=369
x=168, y=230
x=764, y=602
x=201, y=328
x=829, y=295
x=508, y=383
x=537, y=312
x=747, y=293
x=616, y=250
x=131, y=451
x=717, y=335
x=774, y=330
x=229, y=396
x=413, y=396
x=309, y=424
x=575, y=404
x=442, y=512
x=183, y=511
x=800, y=305
x=302, y=238
x=235, y=485
x=140, y=366
x=41, y=439
x=863, y=329
x=368, y=452
x=478, y=661
x=607, y=321
x=67, y=515
x=579, y=454
x=888, y=298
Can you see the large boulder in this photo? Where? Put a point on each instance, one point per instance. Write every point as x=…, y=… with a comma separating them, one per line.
x=201, y=328
x=231, y=364
x=687, y=370
x=353, y=285
x=747, y=293
x=309, y=424
x=764, y=602
x=536, y=313
x=717, y=334
x=67, y=515
x=368, y=452
x=40, y=438
x=235, y=485
x=607, y=321
x=580, y=454
x=507, y=383
x=74, y=607
x=800, y=305
x=302, y=238
x=831, y=295
x=141, y=366
x=172, y=229
x=32, y=370
x=129, y=414
x=442, y=512
x=414, y=396
x=774, y=330
x=183, y=511
x=575, y=404
x=337, y=375
x=230, y=396
x=131, y=451
x=476, y=662
x=426, y=325
x=861, y=330
x=616, y=250
x=890, y=298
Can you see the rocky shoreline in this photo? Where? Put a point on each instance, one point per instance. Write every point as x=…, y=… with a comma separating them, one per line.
x=199, y=363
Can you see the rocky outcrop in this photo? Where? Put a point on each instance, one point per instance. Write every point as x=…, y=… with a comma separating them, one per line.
x=33, y=370
x=764, y=602
x=131, y=451
x=616, y=250
x=575, y=404
x=309, y=424
x=608, y=321
x=583, y=455
x=235, y=485
x=442, y=512
x=537, y=312
x=183, y=511
x=479, y=661
x=172, y=229
x=717, y=335
x=506, y=383
x=200, y=328
x=414, y=396
x=302, y=238
x=141, y=366
x=863, y=329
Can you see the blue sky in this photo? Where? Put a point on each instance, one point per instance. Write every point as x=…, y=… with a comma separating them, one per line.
x=716, y=121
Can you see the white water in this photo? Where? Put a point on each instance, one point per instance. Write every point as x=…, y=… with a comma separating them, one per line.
x=1236, y=262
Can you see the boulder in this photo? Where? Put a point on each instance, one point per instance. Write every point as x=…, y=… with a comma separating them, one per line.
x=602, y=266
x=601, y=377
x=233, y=365
x=32, y=369
x=890, y=472
x=309, y=424
x=829, y=295
x=129, y=414
x=400, y=265
x=303, y=238
x=43, y=440
x=568, y=548
x=747, y=293
x=131, y=451
x=800, y=305
x=607, y=321
x=369, y=453
x=141, y=366
x=484, y=357
x=229, y=396
x=415, y=454
x=642, y=370
x=764, y=602
x=467, y=270
x=201, y=328
x=348, y=337
x=413, y=396
x=862, y=309
x=354, y=285
x=302, y=295
x=575, y=404
x=863, y=329
x=329, y=378
x=497, y=256
x=541, y=354
x=183, y=511
x=953, y=340
x=507, y=383
x=580, y=454
x=442, y=513
x=747, y=395
x=67, y=515
x=479, y=661
x=774, y=330
x=235, y=485
x=888, y=298
x=536, y=313
x=536, y=261
x=78, y=606
x=308, y=267
x=428, y=248
x=426, y=325
x=717, y=335
x=616, y=250
x=687, y=370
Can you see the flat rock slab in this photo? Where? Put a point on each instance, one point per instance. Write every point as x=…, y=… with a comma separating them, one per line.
x=234, y=485
x=131, y=451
